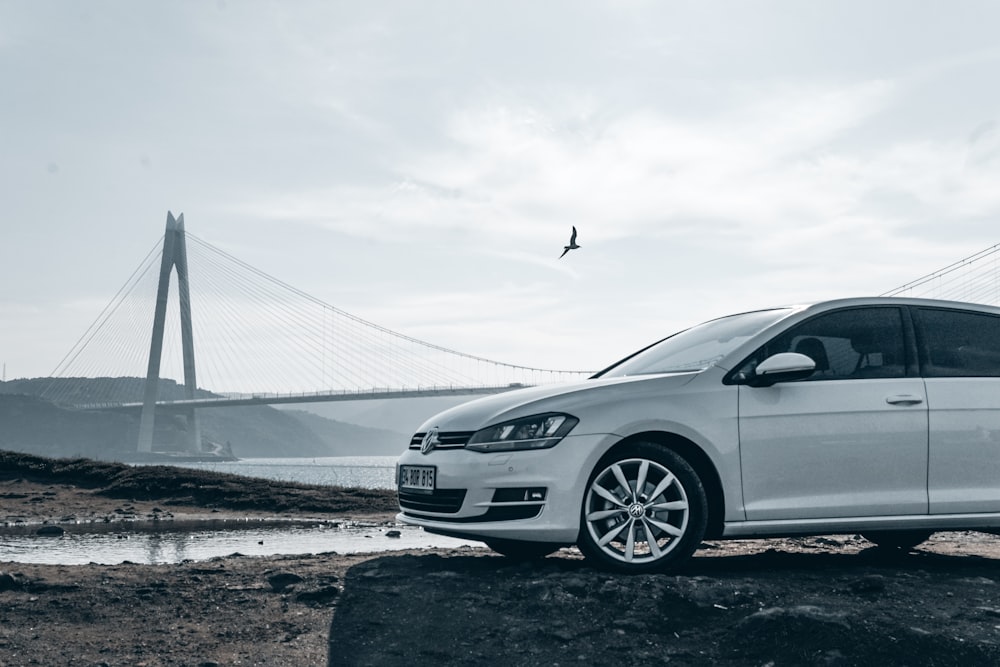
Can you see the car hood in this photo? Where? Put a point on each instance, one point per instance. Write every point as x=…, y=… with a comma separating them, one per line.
x=568, y=397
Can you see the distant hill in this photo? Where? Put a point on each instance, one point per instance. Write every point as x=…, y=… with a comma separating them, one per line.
x=361, y=440
x=403, y=415
x=29, y=423
x=36, y=426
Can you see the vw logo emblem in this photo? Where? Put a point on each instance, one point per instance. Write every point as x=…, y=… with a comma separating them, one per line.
x=430, y=441
x=636, y=510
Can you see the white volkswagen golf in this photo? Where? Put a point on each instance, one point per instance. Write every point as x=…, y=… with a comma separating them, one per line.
x=872, y=415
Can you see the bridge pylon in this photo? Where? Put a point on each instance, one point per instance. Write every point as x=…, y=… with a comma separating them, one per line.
x=174, y=257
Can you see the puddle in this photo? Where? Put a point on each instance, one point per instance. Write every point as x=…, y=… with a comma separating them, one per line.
x=94, y=543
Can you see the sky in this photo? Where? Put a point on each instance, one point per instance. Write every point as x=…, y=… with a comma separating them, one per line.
x=421, y=164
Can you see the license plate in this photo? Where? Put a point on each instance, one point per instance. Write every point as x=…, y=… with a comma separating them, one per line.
x=417, y=478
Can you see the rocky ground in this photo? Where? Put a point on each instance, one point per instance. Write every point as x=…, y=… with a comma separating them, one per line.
x=814, y=601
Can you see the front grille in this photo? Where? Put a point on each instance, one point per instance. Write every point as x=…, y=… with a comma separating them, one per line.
x=446, y=439
x=446, y=501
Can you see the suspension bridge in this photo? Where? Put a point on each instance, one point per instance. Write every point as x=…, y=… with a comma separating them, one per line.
x=254, y=333
x=975, y=279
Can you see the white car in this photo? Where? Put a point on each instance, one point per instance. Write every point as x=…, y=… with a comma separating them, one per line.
x=879, y=416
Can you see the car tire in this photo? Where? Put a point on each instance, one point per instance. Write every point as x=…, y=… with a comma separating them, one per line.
x=901, y=540
x=522, y=551
x=639, y=491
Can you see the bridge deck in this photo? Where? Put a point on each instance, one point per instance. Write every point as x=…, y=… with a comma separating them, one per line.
x=275, y=399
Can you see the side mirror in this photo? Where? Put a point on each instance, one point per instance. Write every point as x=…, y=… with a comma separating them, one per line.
x=782, y=367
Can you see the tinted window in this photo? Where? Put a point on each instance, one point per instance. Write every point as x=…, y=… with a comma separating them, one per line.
x=960, y=343
x=845, y=344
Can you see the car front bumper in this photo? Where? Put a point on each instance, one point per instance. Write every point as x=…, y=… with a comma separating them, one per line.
x=496, y=495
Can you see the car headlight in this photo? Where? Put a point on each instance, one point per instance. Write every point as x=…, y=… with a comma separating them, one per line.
x=535, y=432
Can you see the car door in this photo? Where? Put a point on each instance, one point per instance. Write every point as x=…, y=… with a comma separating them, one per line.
x=960, y=353
x=850, y=440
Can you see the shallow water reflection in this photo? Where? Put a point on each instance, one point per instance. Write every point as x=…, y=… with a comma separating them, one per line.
x=83, y=544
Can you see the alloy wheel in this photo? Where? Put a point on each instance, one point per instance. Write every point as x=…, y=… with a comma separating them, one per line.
x=636, y=511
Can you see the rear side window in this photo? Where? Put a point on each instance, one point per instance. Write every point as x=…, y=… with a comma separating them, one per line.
x=959, y=343
x=857, y=343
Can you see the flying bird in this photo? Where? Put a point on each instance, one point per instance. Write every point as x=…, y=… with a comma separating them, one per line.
x=572, y=244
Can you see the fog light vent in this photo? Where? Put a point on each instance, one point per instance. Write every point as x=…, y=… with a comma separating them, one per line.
x=520, y=495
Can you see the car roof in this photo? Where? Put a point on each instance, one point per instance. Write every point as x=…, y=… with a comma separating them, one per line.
x=897, y=301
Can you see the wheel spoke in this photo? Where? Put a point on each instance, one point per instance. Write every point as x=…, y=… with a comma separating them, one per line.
x=665, y=527
x=654, y=547
x=604, y=514
x=669, y=506
x=630, y=542
x=614, y=532
x=640, y=481
x=667, y=480
x=620, y=476
x=607, y=495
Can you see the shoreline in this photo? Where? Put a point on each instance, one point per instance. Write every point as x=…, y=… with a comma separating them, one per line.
x=26, y=503
x=35, y=488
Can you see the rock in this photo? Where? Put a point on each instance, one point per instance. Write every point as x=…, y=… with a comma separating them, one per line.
x=563, y=635
x=802, y=611
x=53, y=531
x=630, y=625
x=319, y=595
x=871, y=583
x=7, y=582
x=833, y=658
x=826, y=541
x=979, y=581
x=577, y=585
x=279, y=581
x=392, y=533
x=445, y=574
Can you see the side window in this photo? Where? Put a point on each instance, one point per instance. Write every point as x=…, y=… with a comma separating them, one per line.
x=845, y=344
x=958, y=343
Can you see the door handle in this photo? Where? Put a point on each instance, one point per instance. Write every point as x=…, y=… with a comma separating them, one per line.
x=904, y=399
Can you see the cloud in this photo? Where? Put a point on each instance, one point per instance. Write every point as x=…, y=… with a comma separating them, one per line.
x=779, y=161
x=788, y=192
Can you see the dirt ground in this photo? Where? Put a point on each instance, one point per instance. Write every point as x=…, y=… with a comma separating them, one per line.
x=813, y=601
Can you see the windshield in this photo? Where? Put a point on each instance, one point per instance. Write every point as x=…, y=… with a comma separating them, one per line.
x=697, y=348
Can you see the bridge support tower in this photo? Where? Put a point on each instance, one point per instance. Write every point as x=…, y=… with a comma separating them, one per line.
x=174, y=257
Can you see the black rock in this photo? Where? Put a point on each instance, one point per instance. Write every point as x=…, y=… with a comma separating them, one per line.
x=7, y=582
x=318, y=596
x=282, y=580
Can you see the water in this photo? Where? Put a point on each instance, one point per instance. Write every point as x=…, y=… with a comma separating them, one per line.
x=172, y=542
x=365, y=472
x=97, y=543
